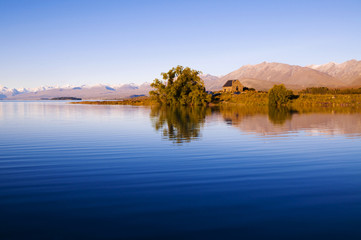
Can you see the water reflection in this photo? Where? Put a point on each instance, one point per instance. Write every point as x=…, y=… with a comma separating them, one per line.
x=102, y=169
x=279, y=114
x=184, y=124
x=279, y=121
x=179, y=124
x=234, y=115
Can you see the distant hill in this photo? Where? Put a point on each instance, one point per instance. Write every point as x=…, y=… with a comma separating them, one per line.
x=348, y=72
x=356, y=82
x=208, y=79
x=264, y=75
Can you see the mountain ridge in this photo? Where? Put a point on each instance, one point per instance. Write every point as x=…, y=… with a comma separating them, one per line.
x=347, y=71
x=293, y=76
x=260, y=76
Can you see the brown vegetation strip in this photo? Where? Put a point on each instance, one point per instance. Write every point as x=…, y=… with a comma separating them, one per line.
x=255, y=99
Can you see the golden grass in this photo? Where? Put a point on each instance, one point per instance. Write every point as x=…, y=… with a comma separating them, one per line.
x=305, y=102
x=131, y=101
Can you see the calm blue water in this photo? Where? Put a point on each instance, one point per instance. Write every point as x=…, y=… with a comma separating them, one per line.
x=124, y=172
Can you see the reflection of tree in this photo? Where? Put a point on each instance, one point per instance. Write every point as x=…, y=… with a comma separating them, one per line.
x=179, y=123
x=279, y=114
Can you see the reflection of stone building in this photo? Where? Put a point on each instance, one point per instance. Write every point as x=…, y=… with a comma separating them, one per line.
x=232, y=86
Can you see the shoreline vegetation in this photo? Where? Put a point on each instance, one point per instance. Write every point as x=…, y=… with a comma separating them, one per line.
x=183, y=86
x=253, y=99
x=144, y=100
x=64, y=98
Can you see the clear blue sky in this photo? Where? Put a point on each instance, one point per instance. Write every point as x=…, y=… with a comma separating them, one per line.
x=74, y=42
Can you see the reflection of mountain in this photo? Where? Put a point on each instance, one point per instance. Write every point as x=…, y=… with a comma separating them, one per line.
x=179, y=124
x=278, y=122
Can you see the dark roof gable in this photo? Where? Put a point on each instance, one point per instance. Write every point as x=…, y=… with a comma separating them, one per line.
x=229, y=83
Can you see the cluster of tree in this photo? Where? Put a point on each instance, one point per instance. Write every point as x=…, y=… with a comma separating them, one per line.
x=279, y=95
x=180, y=86
x=248, y=89
x=325, y=90
x=65, y=98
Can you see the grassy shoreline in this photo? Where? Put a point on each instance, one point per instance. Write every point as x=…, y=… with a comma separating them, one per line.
x=254, y=99
x=131, y=101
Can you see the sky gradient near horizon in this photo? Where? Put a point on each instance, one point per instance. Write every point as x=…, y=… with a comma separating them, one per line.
x=112, y=42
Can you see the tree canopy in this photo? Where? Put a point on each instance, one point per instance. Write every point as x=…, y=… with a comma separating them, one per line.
x=180, y=86
x=279, y=95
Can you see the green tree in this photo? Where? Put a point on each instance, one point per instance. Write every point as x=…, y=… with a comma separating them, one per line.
x=279, y=95
x=180, y=86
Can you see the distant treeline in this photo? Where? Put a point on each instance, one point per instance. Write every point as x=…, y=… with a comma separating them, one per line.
x=143, y=100
x=325, y=90
x=64, y=98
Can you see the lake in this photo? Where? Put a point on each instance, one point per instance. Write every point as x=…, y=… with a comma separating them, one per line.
x=127, y=172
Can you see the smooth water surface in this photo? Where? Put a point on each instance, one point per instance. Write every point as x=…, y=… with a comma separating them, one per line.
x=124, y=172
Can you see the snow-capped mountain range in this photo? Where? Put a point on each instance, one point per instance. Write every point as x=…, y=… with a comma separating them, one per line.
x=260, y=76
x=99, y=91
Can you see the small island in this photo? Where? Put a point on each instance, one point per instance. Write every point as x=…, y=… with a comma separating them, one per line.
x=66, y=98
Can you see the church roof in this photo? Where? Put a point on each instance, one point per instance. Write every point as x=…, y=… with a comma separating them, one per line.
x=229, y=83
